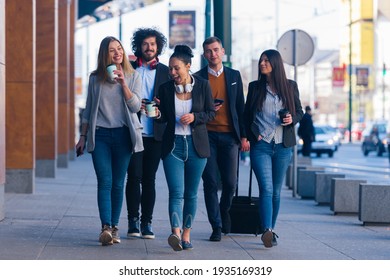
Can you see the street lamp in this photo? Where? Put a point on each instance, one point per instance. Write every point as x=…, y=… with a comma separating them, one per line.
x=350, y=74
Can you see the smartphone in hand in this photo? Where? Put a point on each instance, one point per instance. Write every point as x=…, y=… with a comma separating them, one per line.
x=79, y=151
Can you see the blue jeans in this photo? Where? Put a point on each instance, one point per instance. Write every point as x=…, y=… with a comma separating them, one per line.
x=183, y=170
x=221, y=168
x=269, y=162
x=111, y=158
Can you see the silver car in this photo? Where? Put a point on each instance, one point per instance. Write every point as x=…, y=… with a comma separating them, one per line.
x=325, y=142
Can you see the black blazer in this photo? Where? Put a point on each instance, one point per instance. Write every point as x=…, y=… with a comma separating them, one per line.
x=289, y=138
x=202, y=107
x=235, y=93
x=162, y=75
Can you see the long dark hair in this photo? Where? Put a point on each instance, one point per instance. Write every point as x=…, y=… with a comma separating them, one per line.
x=141, y=34
x=103, y=59
x=278, y=79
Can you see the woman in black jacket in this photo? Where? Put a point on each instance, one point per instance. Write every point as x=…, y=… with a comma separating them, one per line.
x=271, y=111
x=186, y=105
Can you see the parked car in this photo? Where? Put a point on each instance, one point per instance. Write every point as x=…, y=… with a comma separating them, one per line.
x=375, y=138
x=337, y=135
x=324, y=142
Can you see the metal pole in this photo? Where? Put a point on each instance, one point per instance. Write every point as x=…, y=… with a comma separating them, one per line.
x=223, y=26
x=295, y=153
x=120, y=25
x=350, y=74
x=208, y=19
x=383, y=93
x=207, y=28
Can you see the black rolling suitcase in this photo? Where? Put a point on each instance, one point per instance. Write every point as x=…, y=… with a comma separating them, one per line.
x=244, y=212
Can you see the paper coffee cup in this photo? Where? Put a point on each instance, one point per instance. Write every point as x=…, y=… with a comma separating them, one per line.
x=151, y=109
x=110, y=71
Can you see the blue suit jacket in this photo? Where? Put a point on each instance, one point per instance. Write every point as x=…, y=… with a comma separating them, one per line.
x=235, y=93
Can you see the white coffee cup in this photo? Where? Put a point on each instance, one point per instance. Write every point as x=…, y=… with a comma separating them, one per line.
x=110, y=71
x=151, y=109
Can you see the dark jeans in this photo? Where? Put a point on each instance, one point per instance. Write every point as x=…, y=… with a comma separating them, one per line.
x=142, y=171
x=306, y=147
x=221, y=167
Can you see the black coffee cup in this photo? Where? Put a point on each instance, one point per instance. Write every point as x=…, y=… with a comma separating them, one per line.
x=282, y=114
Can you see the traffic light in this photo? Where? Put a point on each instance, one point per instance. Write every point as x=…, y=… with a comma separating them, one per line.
x=384, y=69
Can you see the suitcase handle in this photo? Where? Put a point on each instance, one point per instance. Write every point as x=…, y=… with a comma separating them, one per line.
x=250, y=182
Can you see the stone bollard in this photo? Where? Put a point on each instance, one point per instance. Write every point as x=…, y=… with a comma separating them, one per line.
x=344, y=196
x=374, y=201
x=306, y=180
x=323, y=186
x=289, y=176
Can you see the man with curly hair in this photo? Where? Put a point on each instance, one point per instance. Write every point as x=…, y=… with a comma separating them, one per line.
x=147, y=45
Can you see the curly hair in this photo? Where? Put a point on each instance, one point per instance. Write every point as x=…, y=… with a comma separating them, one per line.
x=141, y=34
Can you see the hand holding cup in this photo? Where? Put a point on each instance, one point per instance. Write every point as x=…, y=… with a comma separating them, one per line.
x=284, y=114
x=151, y=109
x=110, y=71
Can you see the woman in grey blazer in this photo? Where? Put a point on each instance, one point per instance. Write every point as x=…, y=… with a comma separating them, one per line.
x=114, y=132
x=186, y=105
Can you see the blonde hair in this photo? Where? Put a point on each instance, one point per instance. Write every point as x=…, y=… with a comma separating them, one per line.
x=104, y=59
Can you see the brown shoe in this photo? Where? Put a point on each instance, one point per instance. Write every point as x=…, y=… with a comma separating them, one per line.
x=175, y=242
x=106, y=236
x=267, y=237
x=115, y=235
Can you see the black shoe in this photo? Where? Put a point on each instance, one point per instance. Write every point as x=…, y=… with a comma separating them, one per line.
x=146, y=231
x=267, y=237
x=226, y=222
x=216, y=235
x=274, y=241
x=133, y=229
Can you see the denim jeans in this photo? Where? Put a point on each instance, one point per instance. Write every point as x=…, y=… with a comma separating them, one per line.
x=221, y=169
x=142, y=170
x=183, y=170
x=269, y=162
x=111, y=158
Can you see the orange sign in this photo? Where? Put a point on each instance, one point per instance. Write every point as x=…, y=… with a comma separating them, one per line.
x=78, y=86
x=338, y=76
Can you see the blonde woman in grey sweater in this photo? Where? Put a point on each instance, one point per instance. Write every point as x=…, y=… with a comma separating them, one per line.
x=113, y=130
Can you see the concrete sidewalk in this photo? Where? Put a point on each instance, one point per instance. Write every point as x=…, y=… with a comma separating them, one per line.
x=60, y=222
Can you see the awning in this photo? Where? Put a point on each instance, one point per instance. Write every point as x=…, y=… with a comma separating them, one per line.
x=87, y=7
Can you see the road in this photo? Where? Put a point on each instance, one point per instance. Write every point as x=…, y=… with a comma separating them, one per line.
x=350, y=160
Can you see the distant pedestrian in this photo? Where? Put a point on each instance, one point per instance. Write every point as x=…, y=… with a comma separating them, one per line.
x=113, y=129
x=271, y=111
x=186, y=106
x=306, y=132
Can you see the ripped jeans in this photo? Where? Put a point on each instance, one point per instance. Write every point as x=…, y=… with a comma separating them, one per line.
x=183, y=170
